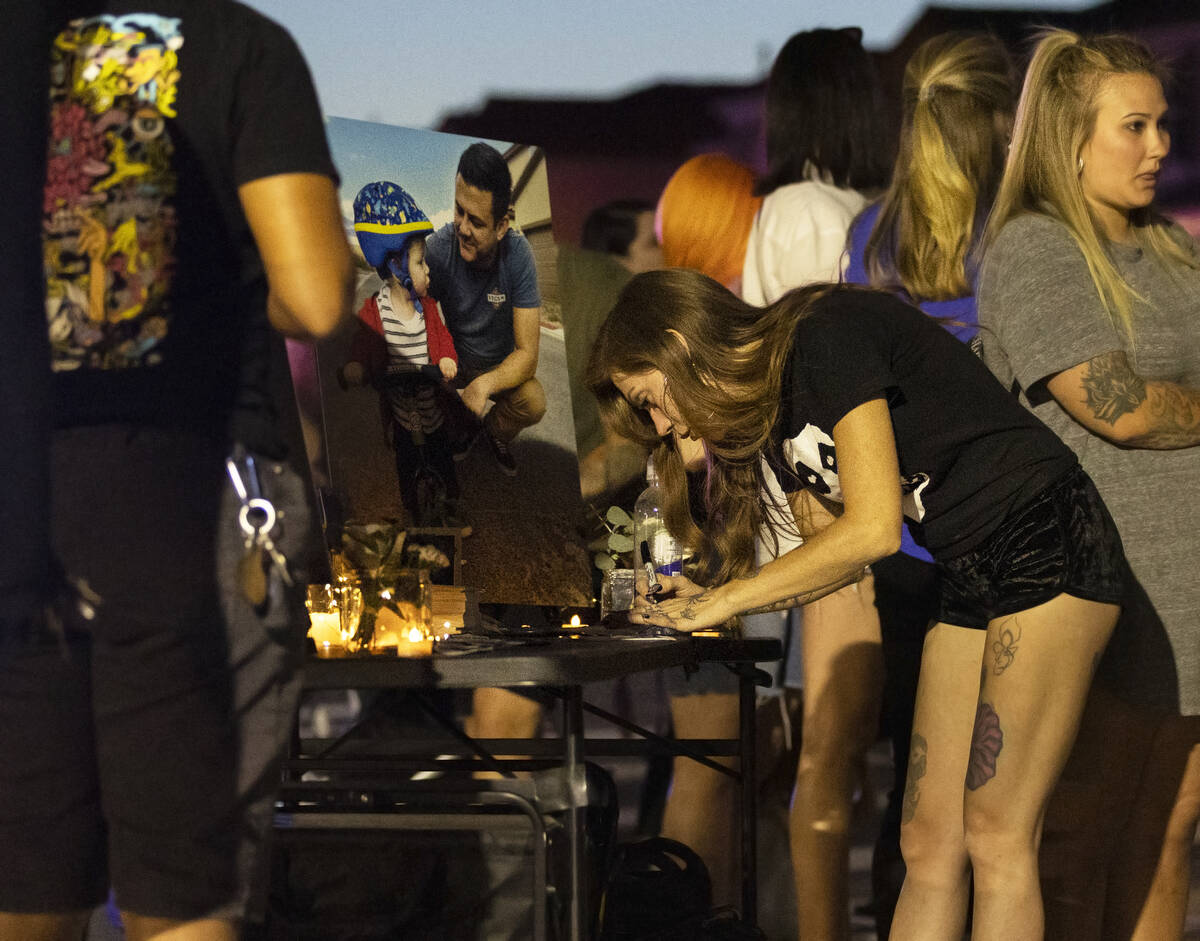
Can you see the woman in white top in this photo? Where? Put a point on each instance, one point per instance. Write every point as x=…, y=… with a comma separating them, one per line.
x=825, y=147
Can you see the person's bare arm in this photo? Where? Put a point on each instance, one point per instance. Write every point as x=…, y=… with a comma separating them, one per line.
x=296, y=224
x=867, y=530
x=515, y=368
x=1108, y=398
x=812, y=514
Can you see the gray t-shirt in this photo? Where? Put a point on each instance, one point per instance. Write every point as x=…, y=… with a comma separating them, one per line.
x=479, y=304
x=1040, y=313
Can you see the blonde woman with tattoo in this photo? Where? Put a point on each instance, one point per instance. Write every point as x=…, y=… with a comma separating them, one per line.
x=861, y=410
x=1088, y=301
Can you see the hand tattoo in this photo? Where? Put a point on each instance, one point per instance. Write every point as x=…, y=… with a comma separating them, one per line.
x=689, y=609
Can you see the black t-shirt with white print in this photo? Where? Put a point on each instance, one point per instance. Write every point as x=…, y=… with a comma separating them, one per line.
x=969, y=453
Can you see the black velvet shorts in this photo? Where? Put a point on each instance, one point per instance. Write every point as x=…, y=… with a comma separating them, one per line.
x=1063, y=541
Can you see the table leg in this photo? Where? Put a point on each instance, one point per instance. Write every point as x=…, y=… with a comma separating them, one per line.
x=577, y=809
x=748, y=765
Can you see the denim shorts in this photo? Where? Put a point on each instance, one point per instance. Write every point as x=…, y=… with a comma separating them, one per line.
x=1063, y=541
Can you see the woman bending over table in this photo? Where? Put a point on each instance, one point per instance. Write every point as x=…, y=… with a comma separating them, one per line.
x=863, y=410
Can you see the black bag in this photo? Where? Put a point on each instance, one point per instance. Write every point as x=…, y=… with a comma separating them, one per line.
x=660, y=890
x=656, y=888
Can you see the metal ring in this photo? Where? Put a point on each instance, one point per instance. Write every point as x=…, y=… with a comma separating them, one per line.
x=258, y=503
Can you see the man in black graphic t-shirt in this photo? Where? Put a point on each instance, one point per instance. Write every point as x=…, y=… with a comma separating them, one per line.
x=189, y=216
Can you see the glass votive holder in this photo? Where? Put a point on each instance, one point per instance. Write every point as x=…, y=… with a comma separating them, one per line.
x=400, y=601
x=616, y=592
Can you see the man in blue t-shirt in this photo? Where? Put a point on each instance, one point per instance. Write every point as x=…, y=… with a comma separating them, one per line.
x=483, y=274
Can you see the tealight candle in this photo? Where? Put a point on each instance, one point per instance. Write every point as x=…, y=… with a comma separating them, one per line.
x=326, y=628
x=392, y=632
x=327, y=650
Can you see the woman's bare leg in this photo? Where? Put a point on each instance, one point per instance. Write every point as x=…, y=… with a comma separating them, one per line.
x=1038, y=667
x=701, y=811
x=933, y=900
x=1165, y=815
x=1084, y=846
x=142, y=928
x=843, y=687
x=67, y=926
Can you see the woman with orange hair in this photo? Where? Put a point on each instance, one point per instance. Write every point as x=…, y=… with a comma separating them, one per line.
x=705, y=215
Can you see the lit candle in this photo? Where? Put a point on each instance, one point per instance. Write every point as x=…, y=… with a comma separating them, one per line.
x=393, y=632
x=326, y=628
x=574, y=623
x=327, y=650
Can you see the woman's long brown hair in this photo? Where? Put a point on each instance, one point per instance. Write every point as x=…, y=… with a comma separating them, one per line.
x=723, y=361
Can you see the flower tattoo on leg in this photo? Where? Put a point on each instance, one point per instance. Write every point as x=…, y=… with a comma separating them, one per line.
x=986, y=742
x=916, y=771
x=1005, y=649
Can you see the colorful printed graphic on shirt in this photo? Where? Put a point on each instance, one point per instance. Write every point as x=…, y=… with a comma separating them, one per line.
x=109, y=224
x=813, y=457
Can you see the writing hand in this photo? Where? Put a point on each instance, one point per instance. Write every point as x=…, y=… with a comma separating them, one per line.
x=681, y=605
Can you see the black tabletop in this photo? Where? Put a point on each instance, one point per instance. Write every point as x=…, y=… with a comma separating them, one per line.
x=564, y=660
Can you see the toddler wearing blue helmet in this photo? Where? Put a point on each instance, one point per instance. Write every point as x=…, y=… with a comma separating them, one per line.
x=401, y=329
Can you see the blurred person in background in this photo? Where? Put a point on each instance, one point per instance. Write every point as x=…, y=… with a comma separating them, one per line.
x=827, y=153
x=918, y=240
x=617, y=242
x=704, y=217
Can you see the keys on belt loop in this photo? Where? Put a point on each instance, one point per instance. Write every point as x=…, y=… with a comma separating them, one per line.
x=257, y=519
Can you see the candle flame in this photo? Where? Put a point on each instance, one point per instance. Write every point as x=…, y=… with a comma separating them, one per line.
x=575, y=622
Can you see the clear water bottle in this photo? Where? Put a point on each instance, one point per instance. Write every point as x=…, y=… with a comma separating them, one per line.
x=652, y=542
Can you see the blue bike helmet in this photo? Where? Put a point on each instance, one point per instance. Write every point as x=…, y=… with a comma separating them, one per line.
x=385, y=219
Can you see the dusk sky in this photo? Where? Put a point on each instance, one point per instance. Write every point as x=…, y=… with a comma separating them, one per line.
x=411, y=63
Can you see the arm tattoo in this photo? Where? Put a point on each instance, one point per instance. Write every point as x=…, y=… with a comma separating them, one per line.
x=916, y=771
x=783, y=604
x=1112, y=388
x=986, y=742
x=1175, y=417
x=804, y=597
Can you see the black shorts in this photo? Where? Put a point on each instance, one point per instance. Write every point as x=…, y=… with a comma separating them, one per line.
x=1063, y=541
x=118, y=756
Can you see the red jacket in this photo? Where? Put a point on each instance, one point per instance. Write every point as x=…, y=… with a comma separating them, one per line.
x=370, y=348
